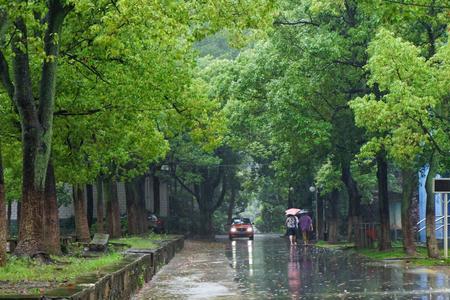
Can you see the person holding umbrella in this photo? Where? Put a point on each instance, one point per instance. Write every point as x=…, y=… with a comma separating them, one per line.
x=306, y=225
x=292, y=224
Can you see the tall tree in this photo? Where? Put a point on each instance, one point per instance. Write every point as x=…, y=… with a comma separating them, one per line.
x=36, y=118
x=112, y=207
x=51, y=215
x=3, y=225
x=100, y=206
x=383, y=202
x=409, y=197
x=81, y=222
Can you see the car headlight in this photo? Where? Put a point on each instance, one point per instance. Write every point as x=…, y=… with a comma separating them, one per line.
x=249, y=229
x=233, y=229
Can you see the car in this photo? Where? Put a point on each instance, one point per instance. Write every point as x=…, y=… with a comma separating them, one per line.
x=155, y=223
x=241, y=227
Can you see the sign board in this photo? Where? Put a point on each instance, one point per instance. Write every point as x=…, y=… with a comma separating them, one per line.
x=441, y=185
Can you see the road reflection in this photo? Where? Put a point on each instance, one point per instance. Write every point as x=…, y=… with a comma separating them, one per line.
x=269, y=268
x=245, y=257
x=294, y=280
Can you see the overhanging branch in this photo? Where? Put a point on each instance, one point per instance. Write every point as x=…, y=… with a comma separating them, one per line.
x=294, y=23
x=416, y=4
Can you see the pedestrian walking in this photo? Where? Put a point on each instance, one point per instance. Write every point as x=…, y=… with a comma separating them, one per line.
x=291, y=225
x=305, y=224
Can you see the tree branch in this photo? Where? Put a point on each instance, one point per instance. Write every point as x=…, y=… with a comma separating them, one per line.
x=52, y=40
x=222, y=195
x=92, y=69
x=23, y=93
x=416, y=4
x=293, y=23
x=5, y=78
x=186, y=187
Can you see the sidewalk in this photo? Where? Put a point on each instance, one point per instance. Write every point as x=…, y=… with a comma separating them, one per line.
x=199, y=271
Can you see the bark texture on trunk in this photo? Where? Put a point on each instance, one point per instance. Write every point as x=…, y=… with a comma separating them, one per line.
x=320, y=217
x=3, y=222
x=142, y=209
x=156, y=198
x=112, y=209
x=51, y=219
x=90, y=204
x=409, y=184
x=100, y=207
x=81, y=223
x=8, y=228
x=30, y=227
x=383, y=200
x=231, y=204
x=354, y=203
x=132, y=209
x=333, y=216
x=432, y=247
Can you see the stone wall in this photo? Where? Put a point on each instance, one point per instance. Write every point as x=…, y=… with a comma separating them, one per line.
x=120, y=282
x=123, y=283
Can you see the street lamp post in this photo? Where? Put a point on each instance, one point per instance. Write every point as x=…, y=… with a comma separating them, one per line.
x=314, y=190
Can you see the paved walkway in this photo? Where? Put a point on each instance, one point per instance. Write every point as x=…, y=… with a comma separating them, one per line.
x=200, y=271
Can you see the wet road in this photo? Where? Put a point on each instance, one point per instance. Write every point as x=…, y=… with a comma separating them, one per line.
x=268, y=268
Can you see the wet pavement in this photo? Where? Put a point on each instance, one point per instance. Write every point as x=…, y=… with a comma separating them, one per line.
x=268, y=268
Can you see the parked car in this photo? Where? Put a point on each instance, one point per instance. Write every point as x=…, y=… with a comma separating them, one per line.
x=241, y=227
x=155, y=223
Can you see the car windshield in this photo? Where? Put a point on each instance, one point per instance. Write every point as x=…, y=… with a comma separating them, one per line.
x=241, y=221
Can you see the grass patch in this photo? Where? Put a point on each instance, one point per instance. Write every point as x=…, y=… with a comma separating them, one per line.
x=421, y=259
x=150, y=241
x=64, y=268
x=338, y=245
x=67, y=268
x=397, y=252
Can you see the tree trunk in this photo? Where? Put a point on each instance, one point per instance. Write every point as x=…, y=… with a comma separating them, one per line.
x=231, y=204
x=100, y=207
x=142, y=209
x=18, y=211
x=383, y=200
x=30, y=227
x=8, y=228
x=334, y=214
x=81, y=223
x=112, y=209
x=206, y=223
x=320, y=217
x=51, y=216
x=432, y=247
x=90, y=203
x=156, y=198
x=350, y=224
x=3, y=222
x=354, y=202
x=36, y=122
x=409, y=184
x=132, y=210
